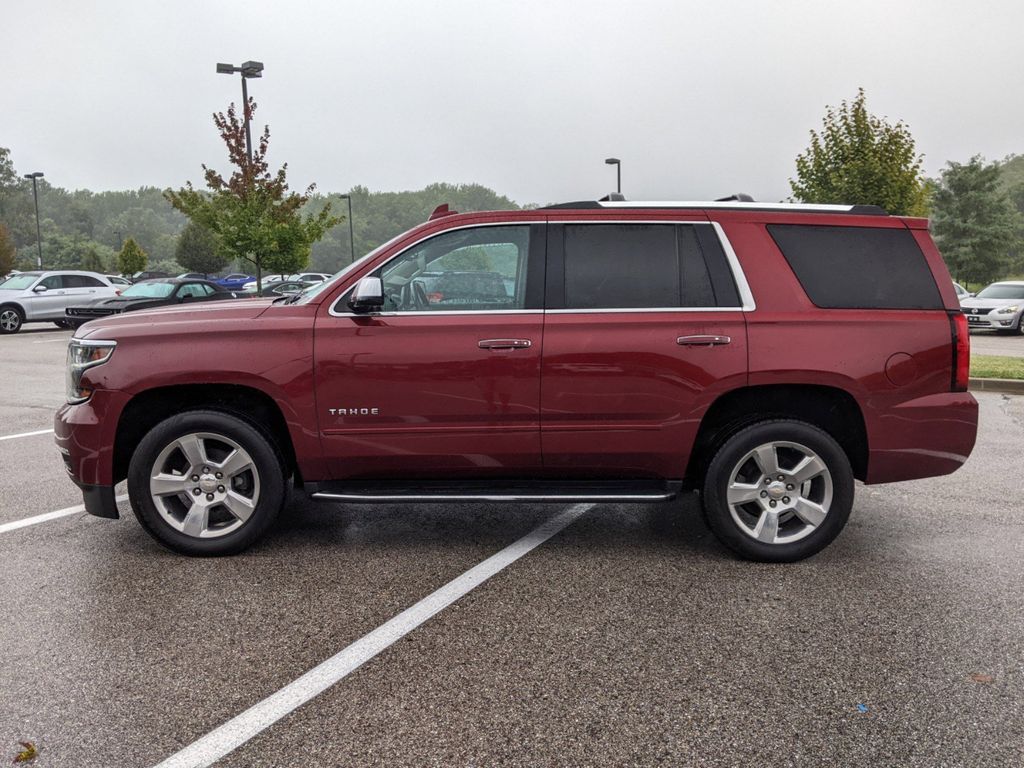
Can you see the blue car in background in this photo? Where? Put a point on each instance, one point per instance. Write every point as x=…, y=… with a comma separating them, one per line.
x=234, y=281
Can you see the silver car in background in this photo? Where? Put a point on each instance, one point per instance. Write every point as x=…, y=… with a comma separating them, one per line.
x=997, y=307
x=41, y=296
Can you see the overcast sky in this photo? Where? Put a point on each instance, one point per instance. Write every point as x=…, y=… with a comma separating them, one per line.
x=698, y=99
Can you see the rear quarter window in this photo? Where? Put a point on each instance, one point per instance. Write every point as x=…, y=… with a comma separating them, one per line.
x=858, y=267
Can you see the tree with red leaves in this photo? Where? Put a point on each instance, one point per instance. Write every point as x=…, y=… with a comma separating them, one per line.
x=252, y=214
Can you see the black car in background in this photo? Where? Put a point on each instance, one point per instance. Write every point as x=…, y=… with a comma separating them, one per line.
x=148, y=295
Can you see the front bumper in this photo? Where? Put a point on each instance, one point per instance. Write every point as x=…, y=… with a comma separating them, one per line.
x=992, y=321
x=85, y=435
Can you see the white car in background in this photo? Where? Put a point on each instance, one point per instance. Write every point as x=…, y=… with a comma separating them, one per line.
x=39, y=296
x=997, y=307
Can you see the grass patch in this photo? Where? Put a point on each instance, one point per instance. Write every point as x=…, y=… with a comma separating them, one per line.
x=996, y=367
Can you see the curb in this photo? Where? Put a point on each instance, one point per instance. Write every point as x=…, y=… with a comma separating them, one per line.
x=1010, y=386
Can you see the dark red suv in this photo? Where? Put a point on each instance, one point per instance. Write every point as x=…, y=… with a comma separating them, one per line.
x=763, y=355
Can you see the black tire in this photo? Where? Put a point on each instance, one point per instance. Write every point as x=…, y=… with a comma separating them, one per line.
x=266, y=462
x=727, y=460
x=64, y=324
x=11, y=319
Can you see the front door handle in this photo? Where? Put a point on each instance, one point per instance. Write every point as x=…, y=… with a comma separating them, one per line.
x=702, y=341
x=504, y=343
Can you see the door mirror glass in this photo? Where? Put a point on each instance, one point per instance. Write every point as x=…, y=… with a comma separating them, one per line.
x=368, y=296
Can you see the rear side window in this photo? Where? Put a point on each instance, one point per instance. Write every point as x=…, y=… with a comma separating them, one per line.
x=652, y=266
x=82, y=281
x=858, y=267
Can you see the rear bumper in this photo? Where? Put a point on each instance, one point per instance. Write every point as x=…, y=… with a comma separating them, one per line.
x=925, y=437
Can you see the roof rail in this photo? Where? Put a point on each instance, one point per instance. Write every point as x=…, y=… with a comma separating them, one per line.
x=738, y=197
x=726, y=204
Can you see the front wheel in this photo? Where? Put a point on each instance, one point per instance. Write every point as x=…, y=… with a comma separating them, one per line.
x=206, y=483
x=778, y=491
x=10, y=319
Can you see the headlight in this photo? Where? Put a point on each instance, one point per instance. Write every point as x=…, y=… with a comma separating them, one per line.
x=1008, y=310
x=84, y=354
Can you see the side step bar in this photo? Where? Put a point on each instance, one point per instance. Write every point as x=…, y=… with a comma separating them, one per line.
x=540, y=492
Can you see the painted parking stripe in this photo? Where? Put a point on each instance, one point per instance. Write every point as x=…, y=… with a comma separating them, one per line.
x=48, y=516
x=27, y=434
x=235, y=732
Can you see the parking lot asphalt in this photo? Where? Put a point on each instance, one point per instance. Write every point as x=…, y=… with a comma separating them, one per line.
x=629, y=638
x=992, y=343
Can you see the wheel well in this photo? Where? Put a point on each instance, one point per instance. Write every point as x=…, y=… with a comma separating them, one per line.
x=149, y=408
x=831, y=409
x=14, y=305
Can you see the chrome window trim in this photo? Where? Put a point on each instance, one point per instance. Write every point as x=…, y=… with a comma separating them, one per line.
x=747, y=303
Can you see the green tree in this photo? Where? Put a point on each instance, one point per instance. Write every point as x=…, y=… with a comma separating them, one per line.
x=861, y=159
x=197, y=250
x=92, y=261
x=132, y=258
x=976, y=224
x=8, y=253
x=252, y=214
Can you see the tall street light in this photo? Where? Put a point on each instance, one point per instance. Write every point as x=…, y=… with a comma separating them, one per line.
x=247, y=69
x=351, y=236
x=39, y=236
x=618, y=172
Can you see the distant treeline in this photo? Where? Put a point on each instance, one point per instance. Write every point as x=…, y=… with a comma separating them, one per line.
x=75, y=223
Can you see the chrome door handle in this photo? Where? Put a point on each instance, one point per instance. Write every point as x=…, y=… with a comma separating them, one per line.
x=703, y=341
x=504, y=343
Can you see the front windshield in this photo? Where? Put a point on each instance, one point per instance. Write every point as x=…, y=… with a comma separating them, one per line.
x=149, y=290
x=19, y=282
x=998, y=291
x=318, y=288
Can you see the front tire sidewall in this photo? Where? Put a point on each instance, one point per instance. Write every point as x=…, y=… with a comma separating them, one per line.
x=18, y=314
x=716, y=508
x=268, y=465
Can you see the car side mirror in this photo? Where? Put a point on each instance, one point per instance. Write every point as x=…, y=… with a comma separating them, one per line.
x=40, y=289
x=368, y=296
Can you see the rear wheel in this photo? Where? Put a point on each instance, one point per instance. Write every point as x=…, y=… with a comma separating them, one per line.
x=206, y=483
x=778, y=491
x=11, y=319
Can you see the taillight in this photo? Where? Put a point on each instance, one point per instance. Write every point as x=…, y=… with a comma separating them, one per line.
x=961, y=351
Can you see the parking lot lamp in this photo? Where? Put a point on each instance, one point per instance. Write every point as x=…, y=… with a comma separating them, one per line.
x=351, y=236
x=618, y=172
x=39, y=237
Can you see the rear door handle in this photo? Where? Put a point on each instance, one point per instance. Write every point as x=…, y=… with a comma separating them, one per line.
x=504, y=343
x=702, y=341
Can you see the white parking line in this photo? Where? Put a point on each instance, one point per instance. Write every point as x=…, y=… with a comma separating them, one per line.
x=27, y=434
x=47, y=516
x=65, y=339
x=262, y=715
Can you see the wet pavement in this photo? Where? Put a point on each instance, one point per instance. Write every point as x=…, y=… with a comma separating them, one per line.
x=629, y=638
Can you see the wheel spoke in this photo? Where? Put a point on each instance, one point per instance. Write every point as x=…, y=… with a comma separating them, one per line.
x=196, y=520
x=767, y=459
x=742, y=493
x=811, y=513
x=767, y=527
x=808, y=468
x=168, y=485
x=239, y=506
x=194, y=450
x=236, y=463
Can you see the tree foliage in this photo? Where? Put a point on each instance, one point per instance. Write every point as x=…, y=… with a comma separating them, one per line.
x=976, y=224
x=132, y=258
x=252, y=214
x=8, y=253
x=858, y=158
x=92, y=261
x=197, y=250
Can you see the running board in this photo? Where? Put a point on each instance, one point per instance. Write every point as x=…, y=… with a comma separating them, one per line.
x=533, y=492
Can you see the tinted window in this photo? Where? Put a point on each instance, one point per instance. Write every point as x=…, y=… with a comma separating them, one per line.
x=463, y=270
x=82, y=281
x=196, y=290
x=858, y=267
x=625, y=266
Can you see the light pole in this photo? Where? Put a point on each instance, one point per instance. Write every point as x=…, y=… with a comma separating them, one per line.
x=247, y=69
x=35, y=195
x=351, y=235
x=618, y=172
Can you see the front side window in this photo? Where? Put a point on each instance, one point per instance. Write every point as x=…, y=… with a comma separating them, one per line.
x=195, y=290
x=53, y=282
x=481, y=269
